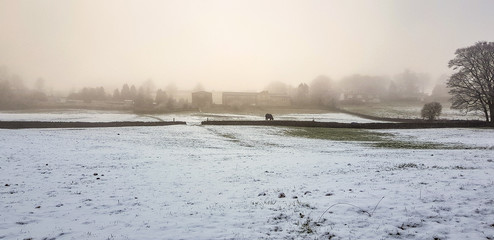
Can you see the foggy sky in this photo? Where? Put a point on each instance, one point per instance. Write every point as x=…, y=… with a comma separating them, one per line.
x=233, y=44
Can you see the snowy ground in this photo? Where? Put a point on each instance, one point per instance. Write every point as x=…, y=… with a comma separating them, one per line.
x=228, y=182
x=408, y=110
x=192, y=118
x=73, y=116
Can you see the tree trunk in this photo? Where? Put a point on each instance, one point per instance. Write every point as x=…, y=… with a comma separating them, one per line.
x=491, y=111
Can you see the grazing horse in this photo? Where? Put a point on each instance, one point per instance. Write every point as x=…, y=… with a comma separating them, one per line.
x=269, y=116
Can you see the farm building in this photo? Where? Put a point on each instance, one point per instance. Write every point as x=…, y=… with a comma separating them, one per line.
x=202, y=99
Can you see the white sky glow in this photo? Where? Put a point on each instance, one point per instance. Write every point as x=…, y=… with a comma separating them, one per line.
x=233, y=45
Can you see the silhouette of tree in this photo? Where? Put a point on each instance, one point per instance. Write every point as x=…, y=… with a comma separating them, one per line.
x=431, y=110
x=472, y=85
x=161, y=97
x=408, y=85
x=171, y=89
x=366, y=85
x=88, y=94
x=302, y=94
x=133, y=93
x=440, y=91
x=320, y=91
x=147, y=88
x=116, y=95
x=125, y=93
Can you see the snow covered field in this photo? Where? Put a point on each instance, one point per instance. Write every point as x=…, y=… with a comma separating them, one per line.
x=412, y=111
x=73, y=116
x=242, y=182
x=192, y=118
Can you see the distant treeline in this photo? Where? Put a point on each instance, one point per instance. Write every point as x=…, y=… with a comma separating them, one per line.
x=322, y=91
x=15, y=95
x=143, y=99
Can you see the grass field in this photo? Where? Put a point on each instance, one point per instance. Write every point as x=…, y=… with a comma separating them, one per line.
x=369, y=137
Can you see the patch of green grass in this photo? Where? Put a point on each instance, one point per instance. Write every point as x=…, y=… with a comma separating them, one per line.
x=389, y=143
x=375, y=139
x=337, y=134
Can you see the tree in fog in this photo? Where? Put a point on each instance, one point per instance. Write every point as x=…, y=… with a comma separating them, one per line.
x=125, y=93
x=143, y=101
x=89, y=94
x=472, y=85
x=132, y=92
x=5, y=94
x=17, y=83
x=171, y=89
x=320, y=91
x=277, y=87
x=13, y=93
x=144, y=98
x=116, y=95
x=161, y=97
x=371, y=86
x=302, y=94
x=431, y=111
x=147, y=87
x=408, y=85
x=440, y=91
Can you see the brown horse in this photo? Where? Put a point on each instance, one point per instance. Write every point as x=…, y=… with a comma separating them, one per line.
x=269, y=116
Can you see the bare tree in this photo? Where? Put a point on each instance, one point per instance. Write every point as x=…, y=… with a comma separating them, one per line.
x=366, y=85
x=302, y=94
x=472, y=85
x=125, y=93
x=440, y=91
x=431, y=110
x=321, y=91
x=409, y=86
x=147, y=88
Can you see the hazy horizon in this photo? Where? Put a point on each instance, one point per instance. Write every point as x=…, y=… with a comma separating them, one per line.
x=233, y=45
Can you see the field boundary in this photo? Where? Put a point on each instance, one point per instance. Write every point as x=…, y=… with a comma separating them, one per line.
x=417, y=124
x=41, y=124
x=371, y=117
x=402, y=125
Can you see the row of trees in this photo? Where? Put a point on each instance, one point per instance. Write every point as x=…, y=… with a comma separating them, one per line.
x=144, y=98
x=15, y=95
x=407, y=86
